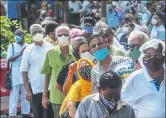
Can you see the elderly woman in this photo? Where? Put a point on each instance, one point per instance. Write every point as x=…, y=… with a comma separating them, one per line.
x=136, y=40
x=80, y=89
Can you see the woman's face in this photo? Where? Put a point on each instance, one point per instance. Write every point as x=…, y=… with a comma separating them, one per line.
x=84, y=64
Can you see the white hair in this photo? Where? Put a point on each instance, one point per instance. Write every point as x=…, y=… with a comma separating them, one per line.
x=35, y=28
x=66, y=28
x=134, y=34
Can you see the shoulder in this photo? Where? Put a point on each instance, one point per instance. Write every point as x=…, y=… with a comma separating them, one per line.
x=95, y=67
x=29, y=47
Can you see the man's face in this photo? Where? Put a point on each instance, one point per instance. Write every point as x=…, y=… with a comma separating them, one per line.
x=63, y=37
x=52, y=36
x=84, y=48
x=136, y=42
x=96, y=44
x=112, y=95
x=109, y=39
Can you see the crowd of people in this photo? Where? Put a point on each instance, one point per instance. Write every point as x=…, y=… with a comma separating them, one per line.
x=109, y=67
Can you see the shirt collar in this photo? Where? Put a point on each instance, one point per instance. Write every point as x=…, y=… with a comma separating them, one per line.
x=121, y=103
x=147, y=76
x=70, y=50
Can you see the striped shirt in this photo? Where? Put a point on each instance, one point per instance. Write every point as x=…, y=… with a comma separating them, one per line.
x=98, y=70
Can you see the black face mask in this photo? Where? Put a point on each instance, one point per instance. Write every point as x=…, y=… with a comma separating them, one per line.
x=86, y=73
x=76, y=54
x=154, y=64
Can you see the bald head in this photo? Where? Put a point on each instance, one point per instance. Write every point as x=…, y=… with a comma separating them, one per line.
x=138, y=38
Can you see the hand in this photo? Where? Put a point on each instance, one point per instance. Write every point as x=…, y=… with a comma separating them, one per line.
x=73, y=67
x=22, y=51
x=28, y=95
x=45, y=101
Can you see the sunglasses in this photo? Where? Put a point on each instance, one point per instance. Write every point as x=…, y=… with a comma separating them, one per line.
x=63, y=35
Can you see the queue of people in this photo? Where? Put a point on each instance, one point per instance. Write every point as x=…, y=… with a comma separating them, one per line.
x=94, y=71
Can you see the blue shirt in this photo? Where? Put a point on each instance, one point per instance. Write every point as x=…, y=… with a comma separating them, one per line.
x=13, y=9
x=113, y=19
x=158, y=32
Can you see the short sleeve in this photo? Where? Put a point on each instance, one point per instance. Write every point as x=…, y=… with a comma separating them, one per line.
x=10, y=51
x=46, y=68
x=81, y=111
x=25, y=61
x=73, y=94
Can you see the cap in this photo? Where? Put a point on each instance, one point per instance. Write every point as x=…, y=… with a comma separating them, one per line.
x=19, y=32
x=76, y=32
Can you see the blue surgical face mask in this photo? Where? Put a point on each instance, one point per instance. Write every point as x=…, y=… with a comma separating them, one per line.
x=89, y=29
x=18, y=39
x=101, y=54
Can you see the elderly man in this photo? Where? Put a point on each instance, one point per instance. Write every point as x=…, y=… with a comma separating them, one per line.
x=14, y=56
x=106, y=103
x=31, y=64
x=145, y=88
x=55, y=59
x=136, y=40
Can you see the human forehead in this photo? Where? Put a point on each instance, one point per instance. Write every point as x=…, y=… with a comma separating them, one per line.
x=84, y=63
x=96, y=40
x=83, y=46
x=113, y=91
x=62, y=31
x=151, y=51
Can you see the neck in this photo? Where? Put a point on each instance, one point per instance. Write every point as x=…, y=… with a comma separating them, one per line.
x=65, y=50
x=106, y=62
x=158, y=75
x=21, y=43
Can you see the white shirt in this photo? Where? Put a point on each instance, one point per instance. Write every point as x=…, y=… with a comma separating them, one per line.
x=141, y=93
x=33, y=59
x=76, y=6
x=16, y=74
x=117, y=44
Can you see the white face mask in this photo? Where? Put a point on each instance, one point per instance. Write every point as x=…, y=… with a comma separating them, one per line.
x=154, y=21
x=38, y=37
x=125, y=29
x=87, y=55
x=63, y=40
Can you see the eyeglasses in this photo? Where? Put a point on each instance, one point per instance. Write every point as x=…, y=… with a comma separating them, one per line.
x=62, y=35
x=97, y=45
x=156, y=55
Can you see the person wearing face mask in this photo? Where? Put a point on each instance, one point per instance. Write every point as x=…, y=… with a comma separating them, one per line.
x=98, y=47
x=31, y=64
x=112, y=17
x=55, y=59
x=136, y=40
x=80, y=89
x=158, y=30
x=88, y=23
x=145, y=88
x=14, y=56
x=84, y=52
x=106, y=103
x=63, y=74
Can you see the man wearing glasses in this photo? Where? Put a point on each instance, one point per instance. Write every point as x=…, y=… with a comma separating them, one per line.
x=106, y=61
x=145, y=88
x=55, y=59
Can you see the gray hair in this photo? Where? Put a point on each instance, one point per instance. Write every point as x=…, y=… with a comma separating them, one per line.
x=62, y=27
x=135, y=34
x=35, y=28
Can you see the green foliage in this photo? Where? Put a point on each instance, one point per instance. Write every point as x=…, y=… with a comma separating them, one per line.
x=7, y=35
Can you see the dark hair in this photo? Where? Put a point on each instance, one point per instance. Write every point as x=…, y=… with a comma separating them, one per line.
x=93, y=37
x=107, y=31
x=160, y=48
x=82, y=43
x=132, y=25
x=50, y=28
x=161, y=16
x=110, y=80
x=149, y=4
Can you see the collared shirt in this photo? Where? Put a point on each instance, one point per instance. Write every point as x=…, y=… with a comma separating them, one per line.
x=32, y=62
x=112, y=19
x=91, y=107
x=53, y=64
x=49, y=40
x=16, y=74
x=141, y=93
x=76, y=6
x=98, y=70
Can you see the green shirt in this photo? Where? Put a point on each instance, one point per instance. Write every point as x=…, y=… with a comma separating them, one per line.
x=116, y=51
x=53, y=63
